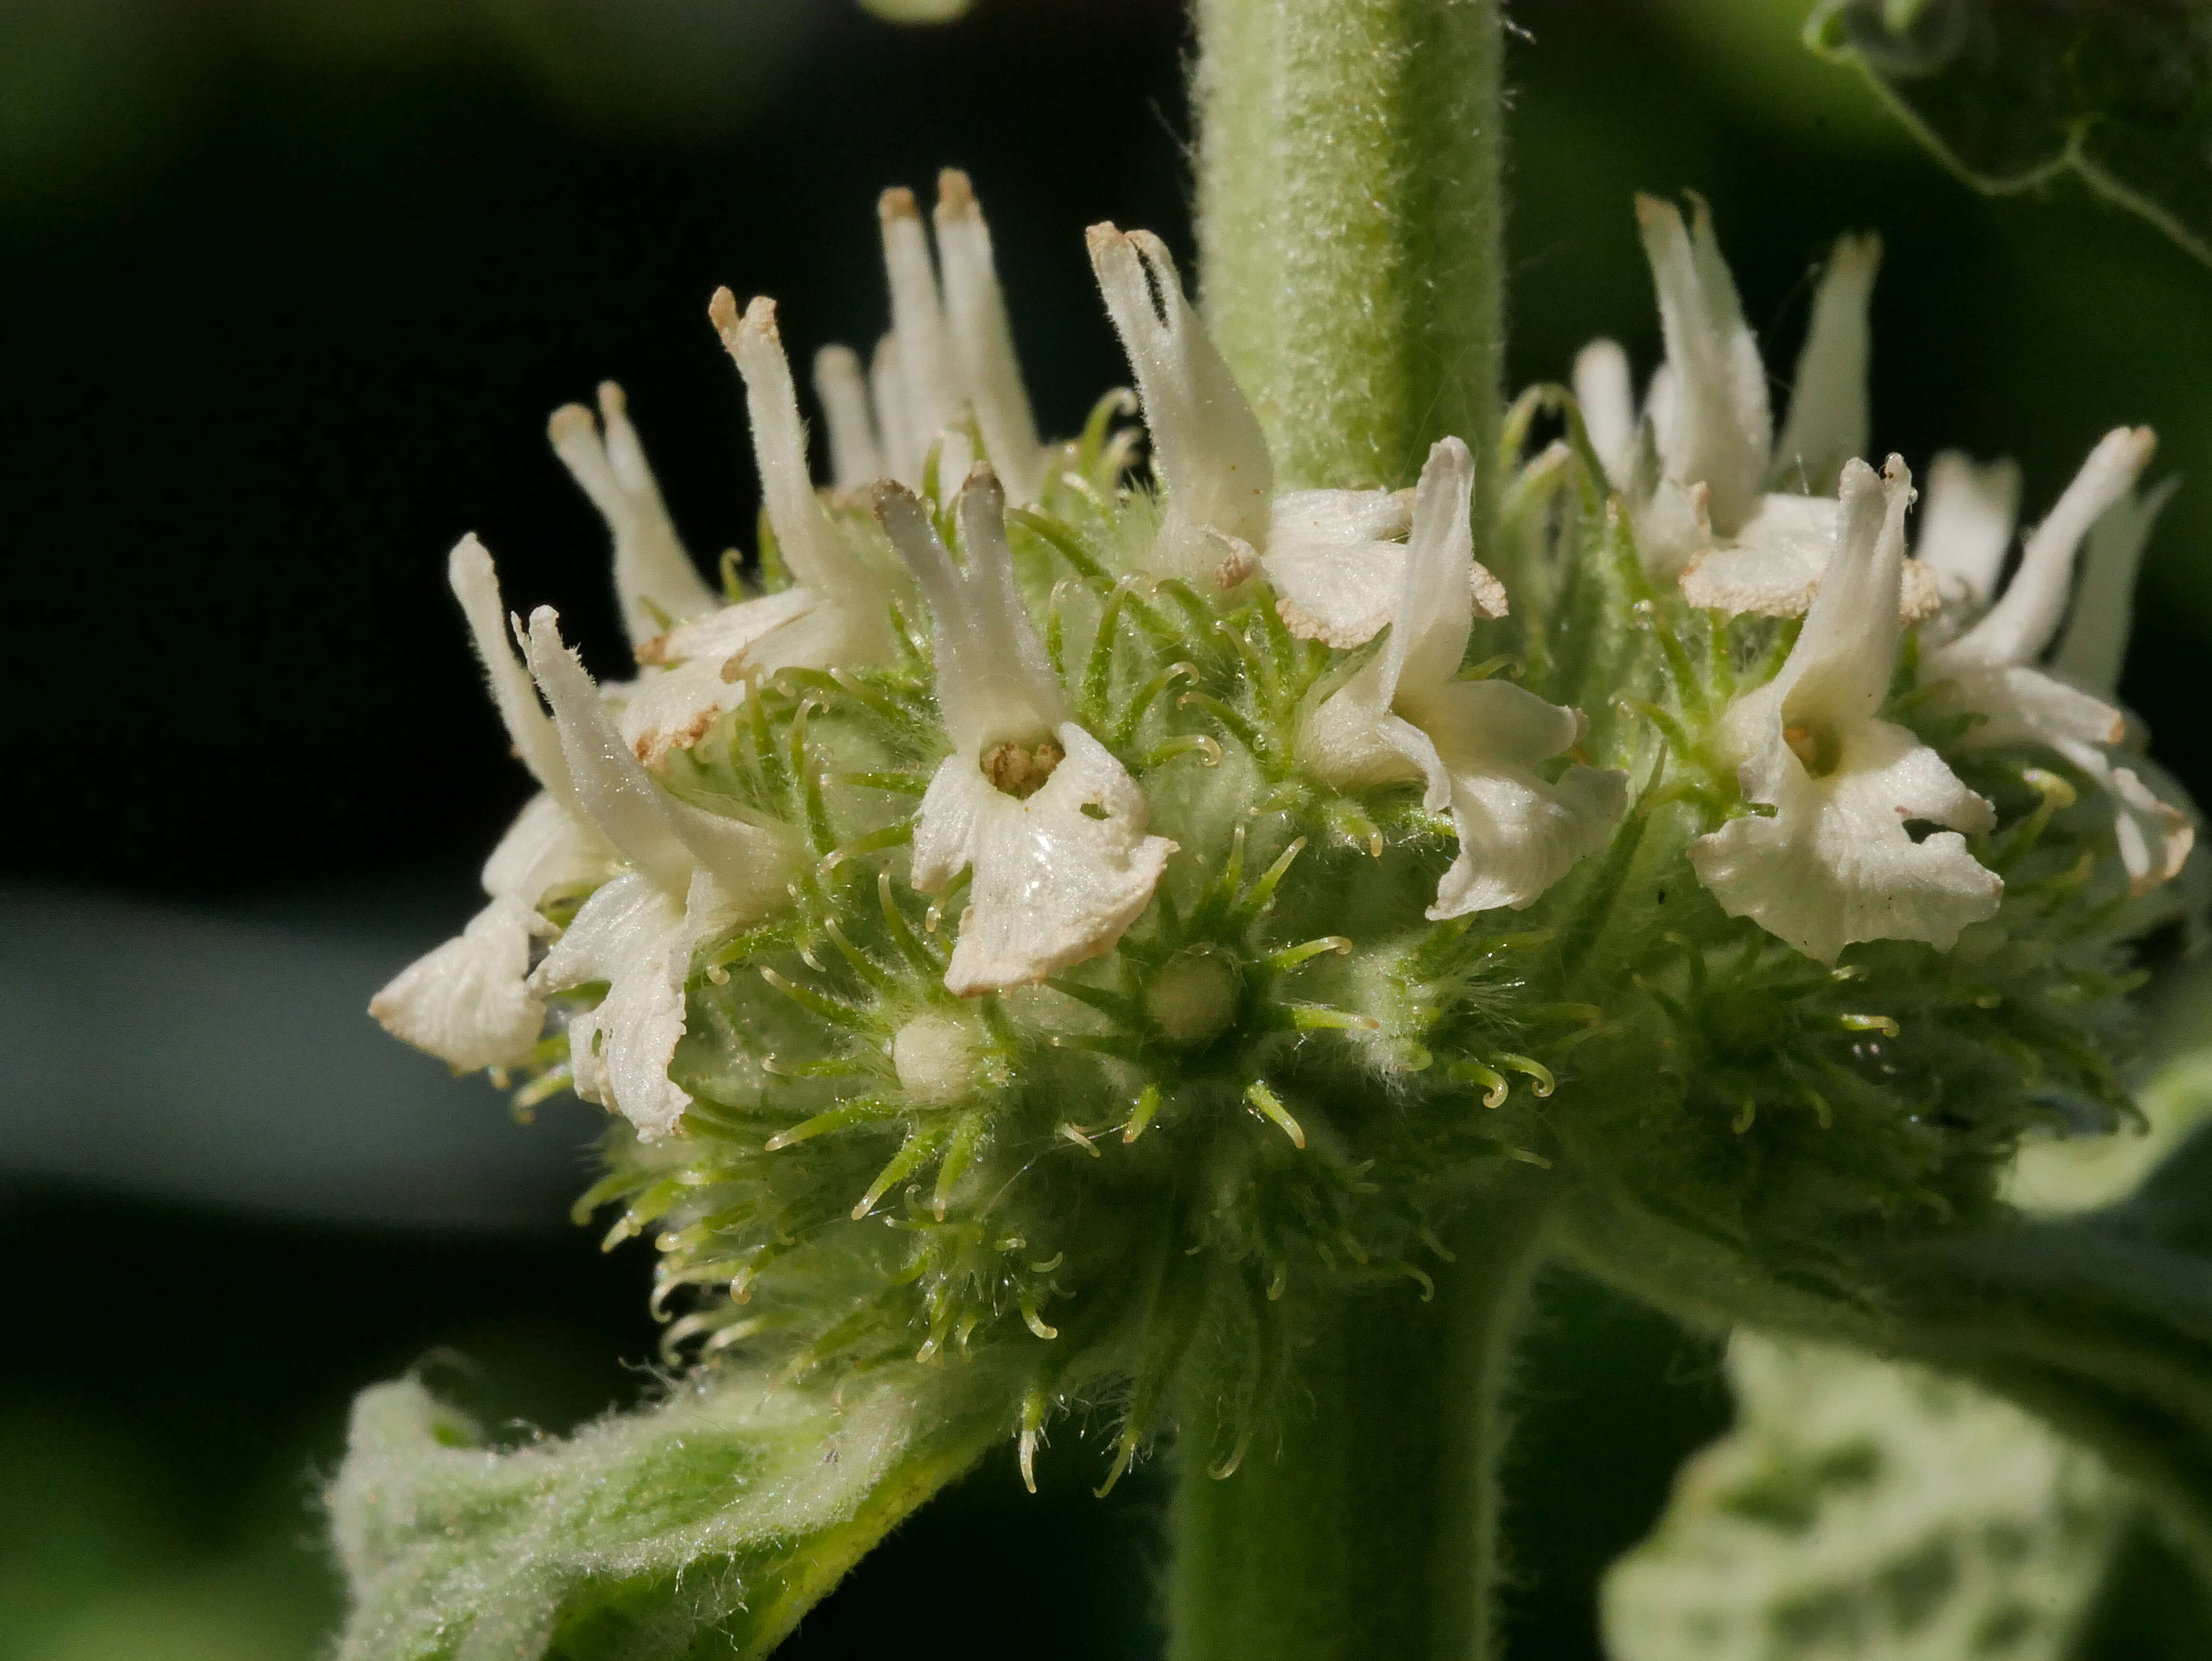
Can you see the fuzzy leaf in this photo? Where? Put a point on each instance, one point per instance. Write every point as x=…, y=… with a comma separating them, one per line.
x=1862, y=1508
x=2011, y=93
x=2103, y=1323
x=707, y=1523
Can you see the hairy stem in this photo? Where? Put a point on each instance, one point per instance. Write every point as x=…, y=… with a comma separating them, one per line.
x=1351, y=226
x=1367, y=1529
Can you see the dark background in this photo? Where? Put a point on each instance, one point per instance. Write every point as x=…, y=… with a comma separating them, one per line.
x=286, y=289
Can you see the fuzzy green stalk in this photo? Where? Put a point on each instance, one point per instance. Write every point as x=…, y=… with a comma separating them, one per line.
x=1364, y=1526
x=1351, y=218
x=1351, y=231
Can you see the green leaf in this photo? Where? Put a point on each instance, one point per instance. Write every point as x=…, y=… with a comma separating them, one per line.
x=2101, y=1322
x=1863, y=1508
x=2013, y=93
x=707, y=1523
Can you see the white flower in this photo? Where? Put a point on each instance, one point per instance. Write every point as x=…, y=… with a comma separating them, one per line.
x=655, y=582
x=838, y=612
x=1835, y=862
x=1334, y=557
x=1477, y=743
x=691, y=874
x=1051, y=824
x=1992, y=670
x=468, y=1002
x=950, y=354
x=1747, y=521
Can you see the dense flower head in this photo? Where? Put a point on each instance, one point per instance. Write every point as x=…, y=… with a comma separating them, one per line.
x=1083, y=909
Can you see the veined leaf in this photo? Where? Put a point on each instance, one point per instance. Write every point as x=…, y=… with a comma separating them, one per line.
x=1870, y=1507
x=1862, y=1508
x=2012, y=93
x=706, y=1523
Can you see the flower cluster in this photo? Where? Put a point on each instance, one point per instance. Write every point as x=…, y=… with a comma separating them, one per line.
x=1072, y=908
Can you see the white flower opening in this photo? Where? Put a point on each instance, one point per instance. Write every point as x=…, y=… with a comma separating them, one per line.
x=691, y=874
x=1745, y=520
x=950, y=355
x=1994, y=669
x=1051, y=824
x=467, y=1002
x=1334, y=557
x=1477, y=744
x=1835, y=861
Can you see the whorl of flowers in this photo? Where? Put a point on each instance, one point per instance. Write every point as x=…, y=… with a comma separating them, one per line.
x=1080, y=911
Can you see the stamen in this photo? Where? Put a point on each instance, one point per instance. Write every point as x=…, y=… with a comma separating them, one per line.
x=1021, y=770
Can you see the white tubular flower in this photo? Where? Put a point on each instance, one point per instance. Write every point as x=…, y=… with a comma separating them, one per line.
x=950, y=355
x=1967, y=516
x=1334, y=557
x=1745, y=521
x=468, y=1002
x=1477, y=744
x=836, y=613
x=1992, y=670
x=1051, y=824
x=655, y=583
x=1835, y=862
x=691, y=874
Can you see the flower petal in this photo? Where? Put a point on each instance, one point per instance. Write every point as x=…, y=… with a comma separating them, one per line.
x=994, y=682
x=1517, y=834
x=664, y=838
x=655, y=582
x=1053, y=884
x=929, y=401
x=2026, y=616
x=1828, y=418
x=546, y=848
x=475, y=583
x=708, y=662
x=856, y=459
x=2095, y=644
x=2026, y=706
x=1207, y=444
x=816, y=554
x=466, y=1002
x=1839, y=670
x=983, y=340
x=1335, y=562
x=1443, y=579
x=632, y=934
x=1715, y=427
x=1607, y=400
x=1836, y=864
x=1774, y=568
x=1966, y=519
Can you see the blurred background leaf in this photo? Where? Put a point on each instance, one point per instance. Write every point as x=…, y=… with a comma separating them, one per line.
x=1862, y=1507
x=2013, y=93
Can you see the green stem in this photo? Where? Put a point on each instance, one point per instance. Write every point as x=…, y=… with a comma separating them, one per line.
x=1364, y=1527
x=1351, y=224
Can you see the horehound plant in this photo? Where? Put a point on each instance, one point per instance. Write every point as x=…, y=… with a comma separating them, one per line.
x=1166, y=930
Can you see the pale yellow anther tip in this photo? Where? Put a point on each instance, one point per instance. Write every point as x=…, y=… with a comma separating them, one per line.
x=955, y=195
x=569, y=422
x=613, y=399
x=896, y=202
x=722, y=312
